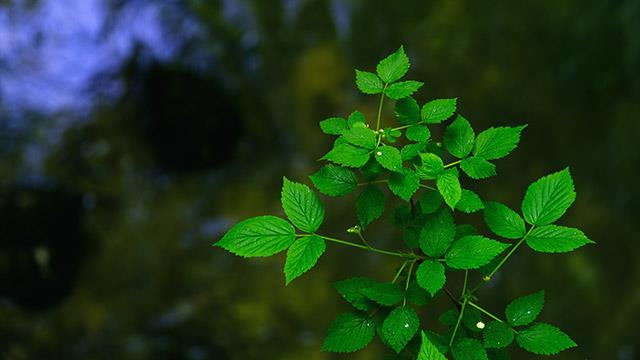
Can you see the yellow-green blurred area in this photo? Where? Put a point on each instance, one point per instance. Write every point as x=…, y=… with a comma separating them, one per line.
x=134, y=133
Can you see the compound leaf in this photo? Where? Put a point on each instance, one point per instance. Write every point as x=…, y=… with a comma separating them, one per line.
x=258, y=236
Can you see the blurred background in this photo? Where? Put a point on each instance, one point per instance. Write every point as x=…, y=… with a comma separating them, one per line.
x=134, y=133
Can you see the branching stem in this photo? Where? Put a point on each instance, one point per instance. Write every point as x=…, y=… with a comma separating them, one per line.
x=364, y=247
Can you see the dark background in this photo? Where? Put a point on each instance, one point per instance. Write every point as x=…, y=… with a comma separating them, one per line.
x=133, y=133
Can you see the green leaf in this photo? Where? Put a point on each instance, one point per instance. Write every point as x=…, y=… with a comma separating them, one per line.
x=334, y=180
x=402, y=89
x=496, y=143
x=356, y=118
x=503, y=221
x=469, y=202
x=469, y=349
x=369, y=205
x=556, y=239
x=428, y=351
x=430, y=202
x=463, y=230
x=497, y=335
x=418, y=133
x=437, y=111
x=399, y=327
x=368, y=83
x=302, y=206
x=431, y=166
x=471, y=252
x=478, y=168
x=524, y=310
x=547, y=199
x=404, y=184
x=544, y=339
x=361, y=136
x=333, y=125
x=349, y=332
x=383, y=293
x=389, y=157
x=448, y=185
x=407, y=110
x=347, y=154
x=350, y=290
x=371, y=170
x=258, y=236
x=417, y=295
x=410, y=151
x=437, y=233
x=394, y=66
x=431, y=276
x=302, y=256
x=459, y=137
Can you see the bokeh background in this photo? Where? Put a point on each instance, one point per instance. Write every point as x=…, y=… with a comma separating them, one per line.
x=134, y=133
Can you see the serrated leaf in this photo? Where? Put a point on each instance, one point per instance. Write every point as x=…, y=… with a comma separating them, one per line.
x=258, y=236
x=496, y=143
x=410, y=151
x=334, y=180
x=503, y=221
x=333, y=125
x=350, y=289
x=368, y=83
x=430, y=167
x=431, y=276
x=463, y=230
x=418, y=133
x=399, y=327
x=383, y=293
x=402, y=89
x=347, y=154
x=471, y=252
x=349, y=332
x=449, y=317
x=547, y=199
x=428, y=351
x=389, y=157
x=302, y=256
x=544, y=339
x=448, y=185
x=302, y=206
x=437, y=111
x=417, y=295
x=437, y=233
x=478, y=168
x=459, y=137
x=497, y=335
x=469, y=202
x=407, y=110
x=361, y=136
x=469, y=349
x=355, y=119
x=394, y=66
x=524, y=310
x=404, y=184
x=369, y=205
x=556, y=239
x=371, y=170
x=430, y=202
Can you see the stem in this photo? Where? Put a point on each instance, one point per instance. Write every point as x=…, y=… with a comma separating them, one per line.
x=455, y=330
x=464, y=286
x=406, y=285
x=481, y=309
x=380, y=111
x=428, y=187
x=364, y=241
x=453, y=164
x=348, y=243
x=373, y=182
x=404, y=264
x=452, y=298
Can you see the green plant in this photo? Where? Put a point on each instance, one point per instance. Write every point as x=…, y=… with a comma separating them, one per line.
x=435, y=244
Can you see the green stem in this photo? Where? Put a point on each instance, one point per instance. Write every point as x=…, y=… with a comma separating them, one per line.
x=373, y=182
x=455, y=329
x=348, y=243
x=453, y=164
x=380, y=111
x=364, y=241
x=395, y=278
x=406, y=285
x=464, y=286
x=427, y=187
x=484, y=311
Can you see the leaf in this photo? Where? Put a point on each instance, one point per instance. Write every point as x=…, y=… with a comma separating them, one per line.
x=497, y=335
x=463, y=230
x=407, y=110
x=383, y=293
x=496, y=143
x=347, y=154
x=402, y=89
x=349, y=332
x=258, y=236
x=469, y=202
x=459, y=137
x=399, y=327
x=361, y=136
x=503, y=221
x=544, y=339
x=428, y=350
x=478, y=168
x=431, y=166
x=404, y=184
x=410, y=151
x=369, y=205
x=371, y=170
x=394, y=66
x=471, y=252
x=469, y=349
x=334, y=180
x=437, y=111
x=333, y=125
x=430, y=202
x=418, y=133
x=417, y=295
x=448, y=185
x=368, y=83
x=437, y=233
x=389, y=157
x=302, y=256
x=302, y=206
x=524, y=310
x=556, y=239
x=355, y=118
x=547, y=199
x=431, y=276
x=350, y=289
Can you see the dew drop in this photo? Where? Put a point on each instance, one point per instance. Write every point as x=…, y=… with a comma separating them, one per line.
x=480, y=325
x=379, y=153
